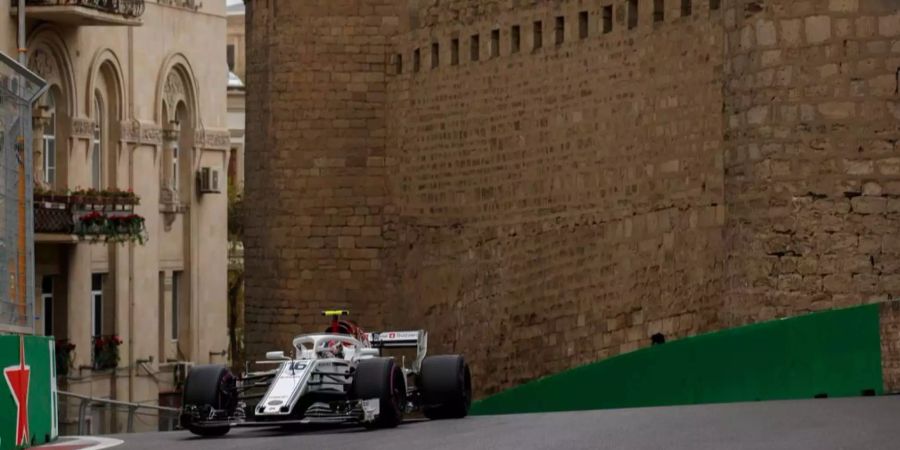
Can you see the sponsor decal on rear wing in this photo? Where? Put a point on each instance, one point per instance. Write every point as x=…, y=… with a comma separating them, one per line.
x=402, y=339
x=394, y=339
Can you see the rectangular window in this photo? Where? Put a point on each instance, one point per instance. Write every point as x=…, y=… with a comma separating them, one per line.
x=435, y=55
x=475, y=47
x=50, y=156
x=538, y=40
x=97, y=304
x=454, y=52
x=398, y=64
x=176, y=286
x=229, y=55
x=47, y=301
x=515, y=39
x=714, y=5
x=96, y=165
x=97, y=150
x=560, y=30
x=495, y=43
x=583, y=24
x=687, y=8
x=632, y=14
x=607, y=19
x=659, y=10
x=175, y=174
x=417, y=60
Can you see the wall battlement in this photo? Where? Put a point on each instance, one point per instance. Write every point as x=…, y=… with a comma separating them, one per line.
x=537, y=207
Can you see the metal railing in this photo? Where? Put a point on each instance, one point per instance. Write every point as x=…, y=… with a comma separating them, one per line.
x=126, y=8
x=85, y=402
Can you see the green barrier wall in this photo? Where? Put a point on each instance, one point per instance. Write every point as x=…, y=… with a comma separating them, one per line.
x=836, y=353
x=33, y=423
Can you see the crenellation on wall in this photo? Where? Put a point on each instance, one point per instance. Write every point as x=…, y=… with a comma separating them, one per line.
x=541, y=193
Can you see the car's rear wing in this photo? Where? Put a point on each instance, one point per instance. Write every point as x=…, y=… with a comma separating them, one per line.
x=402, y=339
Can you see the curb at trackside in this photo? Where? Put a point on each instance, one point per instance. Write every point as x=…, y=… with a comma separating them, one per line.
x=88, y=443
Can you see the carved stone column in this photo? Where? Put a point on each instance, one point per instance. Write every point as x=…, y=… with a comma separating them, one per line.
x=40, y=120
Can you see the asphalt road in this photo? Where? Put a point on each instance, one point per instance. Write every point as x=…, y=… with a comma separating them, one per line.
x=860, y=423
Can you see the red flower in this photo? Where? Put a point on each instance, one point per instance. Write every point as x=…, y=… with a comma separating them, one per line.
x=92, y=217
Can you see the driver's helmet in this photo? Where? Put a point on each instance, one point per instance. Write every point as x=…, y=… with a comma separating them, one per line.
x=343, y=327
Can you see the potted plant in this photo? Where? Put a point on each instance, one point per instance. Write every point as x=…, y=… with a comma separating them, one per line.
x=64, y=356
x=106, y=352
x=92, y=223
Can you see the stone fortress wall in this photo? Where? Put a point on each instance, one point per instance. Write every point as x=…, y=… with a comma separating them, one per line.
x=650, y=166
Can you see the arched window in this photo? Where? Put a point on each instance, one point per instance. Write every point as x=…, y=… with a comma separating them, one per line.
x=50, y=142
x=97, y=144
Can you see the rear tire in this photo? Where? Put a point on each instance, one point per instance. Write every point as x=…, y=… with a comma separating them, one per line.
x=381, y=378
x=446, y=387
x=211, y=386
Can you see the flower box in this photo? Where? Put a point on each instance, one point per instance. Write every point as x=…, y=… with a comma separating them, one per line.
x=105, y=352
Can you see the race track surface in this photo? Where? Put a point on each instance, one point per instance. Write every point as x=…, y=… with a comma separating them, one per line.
x=859, y=423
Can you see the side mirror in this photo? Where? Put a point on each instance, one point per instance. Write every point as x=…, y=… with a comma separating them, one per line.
x=279, y=355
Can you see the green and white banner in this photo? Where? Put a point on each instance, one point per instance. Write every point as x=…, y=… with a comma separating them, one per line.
x=28, y=403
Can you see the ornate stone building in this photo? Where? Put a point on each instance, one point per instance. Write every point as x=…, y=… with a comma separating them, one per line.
x=236, y=51
x=543, y=183
x=137, y=104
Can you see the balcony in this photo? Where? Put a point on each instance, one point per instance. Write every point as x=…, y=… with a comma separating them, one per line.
x=92, y=216
x=84, y=12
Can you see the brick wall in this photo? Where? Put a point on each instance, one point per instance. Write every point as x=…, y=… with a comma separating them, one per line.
x=315, y=163
x=890, y=346
x=812, y=174
x=542, y=208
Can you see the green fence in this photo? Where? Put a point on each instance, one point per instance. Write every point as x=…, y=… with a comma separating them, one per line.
x=834, y=353
x=27, y=392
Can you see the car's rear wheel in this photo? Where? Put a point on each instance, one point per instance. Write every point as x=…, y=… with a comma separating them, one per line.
x=381, y=378
x=446, y=387
x=209, y=391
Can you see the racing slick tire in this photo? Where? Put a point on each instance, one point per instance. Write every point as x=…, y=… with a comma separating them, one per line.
x=208, y=386
x=446, y=387
x=381, y=378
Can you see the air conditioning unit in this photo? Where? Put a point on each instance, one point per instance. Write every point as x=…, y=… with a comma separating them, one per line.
x=209, y=180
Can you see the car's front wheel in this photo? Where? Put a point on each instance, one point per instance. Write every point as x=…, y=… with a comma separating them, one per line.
x=208, y=391
x=381, y=378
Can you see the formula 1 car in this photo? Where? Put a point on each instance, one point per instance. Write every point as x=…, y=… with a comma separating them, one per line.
x=339, y=376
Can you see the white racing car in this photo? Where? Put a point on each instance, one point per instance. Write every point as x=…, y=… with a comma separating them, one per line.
x=339, y=376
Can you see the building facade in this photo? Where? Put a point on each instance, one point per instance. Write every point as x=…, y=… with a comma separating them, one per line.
x=136, y=112
x=236, y=54
x=542, y=184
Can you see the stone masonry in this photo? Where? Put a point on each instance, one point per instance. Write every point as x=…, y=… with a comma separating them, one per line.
x=812, y=161
x=542, y=184
x=889, y=318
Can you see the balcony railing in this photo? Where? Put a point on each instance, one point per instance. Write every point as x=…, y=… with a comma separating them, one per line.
x=95, y=216
x=86, y=12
